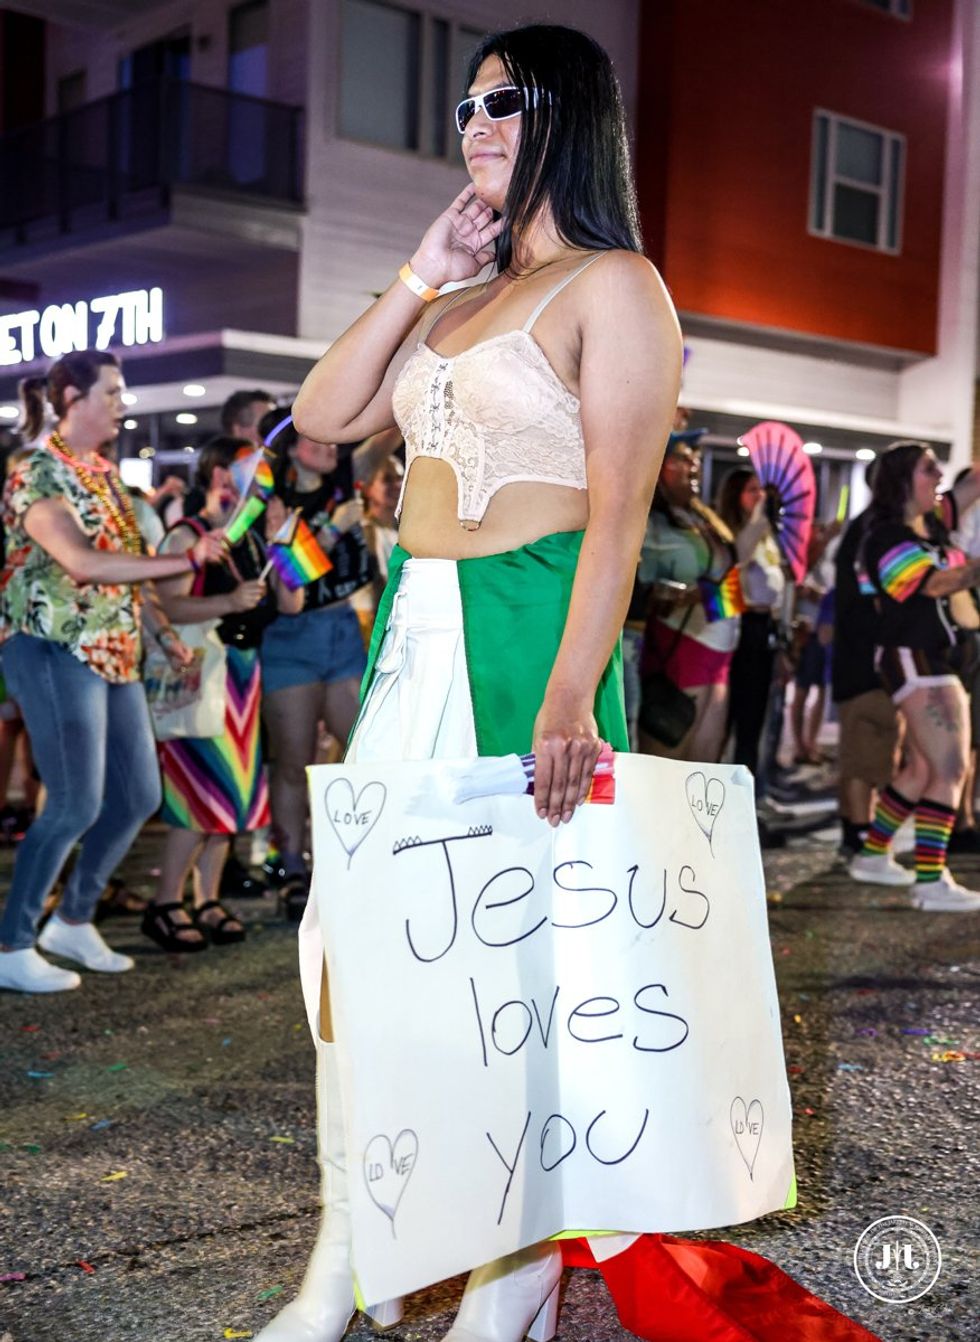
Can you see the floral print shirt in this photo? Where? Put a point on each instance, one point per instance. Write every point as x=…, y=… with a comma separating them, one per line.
x=98, y=624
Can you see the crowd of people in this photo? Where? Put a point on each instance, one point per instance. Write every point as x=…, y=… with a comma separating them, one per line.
x=885, y=626
x=550, y=390
x=102, y=586
x=882, y=635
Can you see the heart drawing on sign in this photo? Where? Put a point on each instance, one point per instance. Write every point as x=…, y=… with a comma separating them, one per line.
x=353, y=818
x=706, y=797
x=387, y=1169
x=747, y=1129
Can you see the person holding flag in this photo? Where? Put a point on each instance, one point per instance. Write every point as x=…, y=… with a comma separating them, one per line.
x=312, y=662
x=215, y=787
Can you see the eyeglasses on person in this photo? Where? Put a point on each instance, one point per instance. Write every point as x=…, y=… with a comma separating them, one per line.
x=499, y=104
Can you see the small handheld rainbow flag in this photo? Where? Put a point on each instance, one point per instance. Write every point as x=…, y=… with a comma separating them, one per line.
x=243, y=519
x=250, y=468
x=602, y=789
x=722, y=599
x=295, y=553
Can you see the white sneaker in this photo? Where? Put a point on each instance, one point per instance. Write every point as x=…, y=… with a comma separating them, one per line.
x=82, y=943
x=27, y=972
x=879, y=869
x=944, y=896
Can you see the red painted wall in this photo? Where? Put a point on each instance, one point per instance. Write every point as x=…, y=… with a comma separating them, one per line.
x=727, y=95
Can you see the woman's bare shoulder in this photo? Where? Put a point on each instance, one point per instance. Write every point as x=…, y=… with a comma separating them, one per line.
x=625, y=285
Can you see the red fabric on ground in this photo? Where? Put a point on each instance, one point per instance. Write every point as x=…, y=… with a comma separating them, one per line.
x=673, y=1290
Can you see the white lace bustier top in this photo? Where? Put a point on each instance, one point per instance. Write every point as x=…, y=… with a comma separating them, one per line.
x=498, y=413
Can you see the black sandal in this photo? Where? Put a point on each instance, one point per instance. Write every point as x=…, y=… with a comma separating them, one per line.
x=160, y=926
x=215, y=932
x=293, y=895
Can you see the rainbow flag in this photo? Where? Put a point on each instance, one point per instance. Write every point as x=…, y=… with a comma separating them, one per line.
x=296, y=555
x=250, y=468
x=722, y=599
x=602, y=789
x=243, y=519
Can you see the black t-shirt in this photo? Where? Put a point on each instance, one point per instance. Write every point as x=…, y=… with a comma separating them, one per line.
x=855, y=621
x=897, y=561
x=241, y=629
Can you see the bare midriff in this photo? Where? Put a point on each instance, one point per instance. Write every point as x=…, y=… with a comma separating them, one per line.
x=516, y=515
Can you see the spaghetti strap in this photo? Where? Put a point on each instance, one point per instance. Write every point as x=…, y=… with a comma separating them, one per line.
x=427, y=328
x=557, y=290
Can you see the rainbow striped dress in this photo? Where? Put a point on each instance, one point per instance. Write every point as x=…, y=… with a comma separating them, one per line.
x=218, y=785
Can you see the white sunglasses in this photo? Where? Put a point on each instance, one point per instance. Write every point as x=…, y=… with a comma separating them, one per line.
x=498, y=104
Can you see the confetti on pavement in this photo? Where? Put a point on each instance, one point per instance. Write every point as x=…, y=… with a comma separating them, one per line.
x=13, y=1276
x=285, y=1141
x=268, y=1294
x=114, y=1176
x=86, y=1267
x=230, y=1333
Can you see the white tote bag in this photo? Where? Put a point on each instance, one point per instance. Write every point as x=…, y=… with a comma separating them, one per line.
x=190, y=702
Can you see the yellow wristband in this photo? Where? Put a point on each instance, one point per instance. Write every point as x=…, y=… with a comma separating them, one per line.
x=418, y=286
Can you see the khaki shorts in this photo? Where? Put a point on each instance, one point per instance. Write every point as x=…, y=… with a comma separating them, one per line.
x=868, y=737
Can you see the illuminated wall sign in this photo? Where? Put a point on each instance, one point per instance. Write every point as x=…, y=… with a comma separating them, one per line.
x=134, y=318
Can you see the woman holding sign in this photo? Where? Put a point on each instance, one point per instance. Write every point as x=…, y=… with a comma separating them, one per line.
x=535, y=407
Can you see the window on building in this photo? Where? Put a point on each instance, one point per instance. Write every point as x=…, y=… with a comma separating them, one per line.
x=402, y=73
x=902, y=9
x=857, y=179
x=248, y=48
x=71, y=91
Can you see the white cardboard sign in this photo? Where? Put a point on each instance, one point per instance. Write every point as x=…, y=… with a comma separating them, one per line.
x=544, y=1030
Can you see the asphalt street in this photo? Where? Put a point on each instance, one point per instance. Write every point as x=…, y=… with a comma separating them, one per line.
x=157, y=1175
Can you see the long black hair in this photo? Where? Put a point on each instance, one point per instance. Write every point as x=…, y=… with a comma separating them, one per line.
x=574, y=152
x=730, y=508
x=892, y=486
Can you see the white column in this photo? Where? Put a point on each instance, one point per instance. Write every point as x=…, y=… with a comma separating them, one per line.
x=941, y=391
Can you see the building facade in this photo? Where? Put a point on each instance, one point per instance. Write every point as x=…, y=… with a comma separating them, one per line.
x=237, y=181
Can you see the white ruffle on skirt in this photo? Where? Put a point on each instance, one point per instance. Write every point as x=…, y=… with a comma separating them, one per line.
x=418, y=708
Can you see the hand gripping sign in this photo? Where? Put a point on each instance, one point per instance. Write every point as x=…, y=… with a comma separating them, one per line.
x=546, y=1030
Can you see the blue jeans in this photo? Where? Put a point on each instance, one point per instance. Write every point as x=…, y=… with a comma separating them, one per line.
x=94, y=749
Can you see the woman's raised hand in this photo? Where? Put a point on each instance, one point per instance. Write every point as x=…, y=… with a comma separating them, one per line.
x=459, y=243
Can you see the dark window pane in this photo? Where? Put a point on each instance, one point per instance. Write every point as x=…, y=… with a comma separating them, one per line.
x=71, y=91
x=380, y=74
x=819, y=174
x=855, y=215
x=465, y=43
x=439, y=108
x=248, y=49
x=895, y=193
x=859, y=153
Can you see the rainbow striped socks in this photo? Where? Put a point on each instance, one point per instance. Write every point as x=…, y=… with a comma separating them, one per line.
x=891, y=811
x=933, y=826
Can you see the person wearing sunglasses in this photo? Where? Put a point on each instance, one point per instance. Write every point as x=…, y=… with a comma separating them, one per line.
x=535, y=407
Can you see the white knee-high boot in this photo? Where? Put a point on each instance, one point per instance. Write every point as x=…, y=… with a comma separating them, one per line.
x=513, y=1298
x=325, y=1304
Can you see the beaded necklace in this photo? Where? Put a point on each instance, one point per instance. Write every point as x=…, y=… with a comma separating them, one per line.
x=97, y=479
